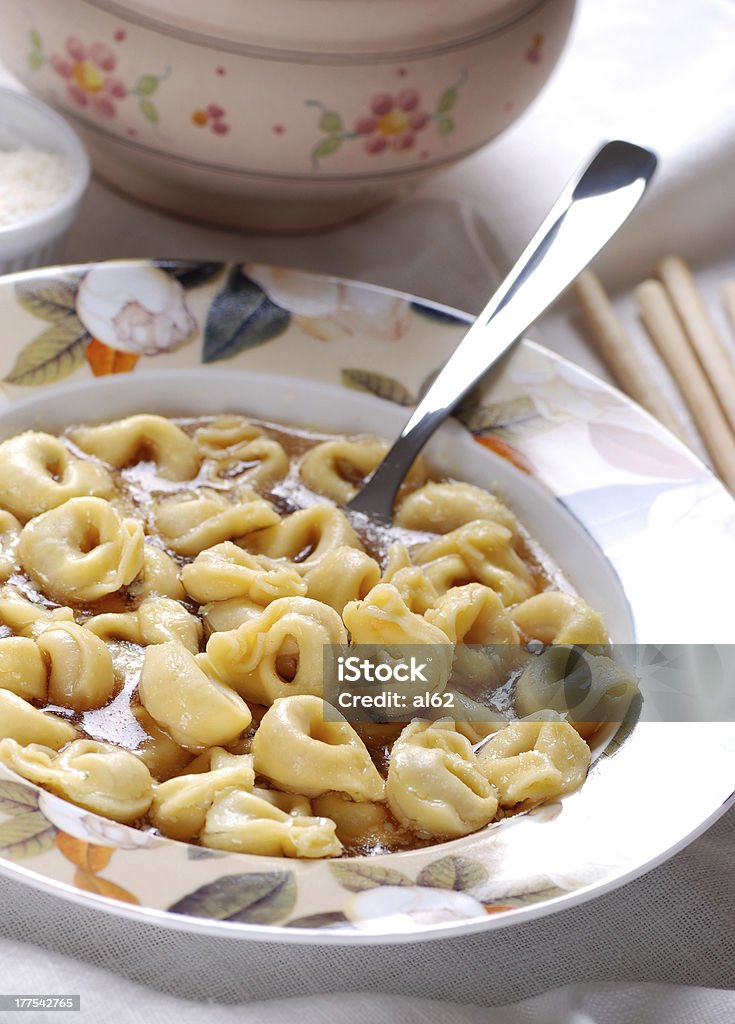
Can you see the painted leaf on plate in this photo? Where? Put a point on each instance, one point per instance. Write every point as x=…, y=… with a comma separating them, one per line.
x=90, y=882
x=192, y=275
x=241, y=316
x=358, y=877
x=377, y=384
x=48, y=298
x=329, y=919
x=52, y=355
x=497, y=416
x=442, y=316
x=16, y=798
x=146, y=85
x=261, y=898
x=87, y=856
x=457, y=873
x=25, y=835
x=639, y=452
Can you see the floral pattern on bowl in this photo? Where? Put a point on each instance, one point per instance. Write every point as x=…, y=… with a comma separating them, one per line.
x=635, y=489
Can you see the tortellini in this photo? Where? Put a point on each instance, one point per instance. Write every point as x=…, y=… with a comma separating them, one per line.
x=384, y=620
x=533, y=761
x=127, y=547
x=589, y=689
x=157, y=620
x=25, y=617
x=444, y=507
x=21, y=722
x=186, y=699
x=258, y=462
x=305, y=538
x=343, y=575
x=140, y=439
x=242, y=822
x=306, y=746
x=480, y=552
x=558, y=618
x=22, y=668
x=81, y=550
x=337, y=468
x=9, y=536
x=37, y=473
x=435, y=786
x=225, y=571
x=81, y=675
x=159, y=576
x=189, y=525
x=180, y=806
x=282, y=652
x=97, y=776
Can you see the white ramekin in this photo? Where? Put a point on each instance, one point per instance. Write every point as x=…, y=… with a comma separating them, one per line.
x=36, y=240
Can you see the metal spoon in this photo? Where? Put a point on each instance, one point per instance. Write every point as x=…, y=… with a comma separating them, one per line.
x=587, y=214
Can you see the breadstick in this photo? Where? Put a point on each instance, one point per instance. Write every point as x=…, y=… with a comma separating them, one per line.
x=660, y=320
x=718, y=363
x=617, y=352
x=728, y=295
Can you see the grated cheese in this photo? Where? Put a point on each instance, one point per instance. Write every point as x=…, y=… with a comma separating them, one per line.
x=30, y=179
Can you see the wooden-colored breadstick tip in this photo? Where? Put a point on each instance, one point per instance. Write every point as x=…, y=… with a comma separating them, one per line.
x=617, y=352
x=718, y=363
x=660, y=320
x=728, y=296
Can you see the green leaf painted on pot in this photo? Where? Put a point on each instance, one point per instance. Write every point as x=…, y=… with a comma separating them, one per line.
x=192, y=275
x=329, y=919
x=357, y=877
x=442, y=316
x=261, y=898
x=146, y=85
x=51, y=356
x=17, y=798
x=326, y=147
x=47, y=298
x=35, y=39
x=25, y=834
x=330, y=121
x=446, y=101
x=241, y=316
x=458, y=873
x=148, y=110
x=377, y=384
x=445, y=125
x=36, y=60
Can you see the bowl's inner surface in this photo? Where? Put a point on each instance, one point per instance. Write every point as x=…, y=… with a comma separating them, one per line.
x=308, y=404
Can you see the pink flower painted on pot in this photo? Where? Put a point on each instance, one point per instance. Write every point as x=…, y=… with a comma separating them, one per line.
x=87, y=70
x=393, y=121
x=390, y=124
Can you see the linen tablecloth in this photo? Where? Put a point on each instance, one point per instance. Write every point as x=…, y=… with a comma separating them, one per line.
x=662, y=949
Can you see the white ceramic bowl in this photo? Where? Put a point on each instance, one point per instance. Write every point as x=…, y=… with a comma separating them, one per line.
x=284, y=115
x=37, y=239
x=640, y=526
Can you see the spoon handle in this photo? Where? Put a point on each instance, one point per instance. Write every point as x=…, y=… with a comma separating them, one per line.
x=588, y=212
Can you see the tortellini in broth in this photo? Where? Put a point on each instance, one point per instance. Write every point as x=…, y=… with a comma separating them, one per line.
x=171, y=624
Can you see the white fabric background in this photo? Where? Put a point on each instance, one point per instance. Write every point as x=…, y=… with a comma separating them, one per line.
x=659, y=72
